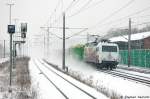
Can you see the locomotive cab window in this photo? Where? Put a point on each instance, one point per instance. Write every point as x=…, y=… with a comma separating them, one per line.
x=109, y=48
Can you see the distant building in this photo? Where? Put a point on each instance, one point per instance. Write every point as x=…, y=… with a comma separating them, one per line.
x=138, y=41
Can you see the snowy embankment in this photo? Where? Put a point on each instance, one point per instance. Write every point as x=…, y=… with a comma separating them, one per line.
x=104, y=82
x=2, y=60
x=135, y=68
x=110, y=84
x=20, y=84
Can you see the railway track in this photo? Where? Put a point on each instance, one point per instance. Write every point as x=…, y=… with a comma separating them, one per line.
x=64, y=80
x=148, y=78
x=141, y=79
x=50, y=80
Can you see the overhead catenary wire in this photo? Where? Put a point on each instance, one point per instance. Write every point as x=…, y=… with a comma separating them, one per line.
x=141, y=23
x=125, y=17
x=73, y=3
x=101, y=21
x=143, y=16
x=117, y=12
x=125, y=27
x=77, y=33
x=56, y=35
x=112, y=14
x=69, y=7
x=95, y=4
x=86, y=4
x=68, y=28
x=85, y=7
x=53, y=12
x=130, y=15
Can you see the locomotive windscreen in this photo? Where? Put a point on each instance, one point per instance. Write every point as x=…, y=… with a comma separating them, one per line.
x=109, y=48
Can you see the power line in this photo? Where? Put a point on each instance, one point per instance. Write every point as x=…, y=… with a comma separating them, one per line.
x=113, y=13
x=117, y=12
x=141, y=16
x=89, y=1
x=126, y=5
x=65, y=28
x=138, y=12
x=69, y=7
x=95, y=4
x=126, y=17
x=118, y=20
x=76, y=33
x=126, y=27
x=60, y=1
x=141, y=24
x=85, y=7
x=72, y=4
x=56, y=35
x=53, y=12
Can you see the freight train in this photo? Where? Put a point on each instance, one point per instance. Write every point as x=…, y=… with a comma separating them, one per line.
x=103, y=54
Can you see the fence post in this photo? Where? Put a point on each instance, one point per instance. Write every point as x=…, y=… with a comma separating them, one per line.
x=4, y=49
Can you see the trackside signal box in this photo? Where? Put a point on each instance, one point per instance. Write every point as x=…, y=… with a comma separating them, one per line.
x=11, y=29
x=23, y=35
x=23, y=30
x=23, y=27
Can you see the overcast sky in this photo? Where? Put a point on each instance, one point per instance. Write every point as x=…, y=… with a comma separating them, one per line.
x=39, y=13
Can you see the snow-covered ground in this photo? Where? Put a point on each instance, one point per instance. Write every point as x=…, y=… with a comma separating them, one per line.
x=48, y=91
x=135, y=68
x=3, y=59
x=124, y=87
x=20, y=82
x=134, y=72
x=44, y=88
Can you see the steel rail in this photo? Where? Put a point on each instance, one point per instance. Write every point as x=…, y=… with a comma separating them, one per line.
x=67, y=80
x=51, y=81
x=141, y=80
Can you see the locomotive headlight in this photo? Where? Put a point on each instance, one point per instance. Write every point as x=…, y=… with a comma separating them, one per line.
x=116, y=59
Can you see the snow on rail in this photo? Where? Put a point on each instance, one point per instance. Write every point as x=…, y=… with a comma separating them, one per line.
x=71, y=91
